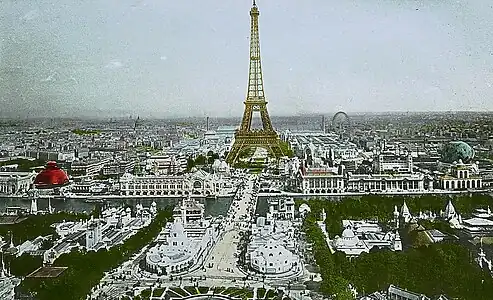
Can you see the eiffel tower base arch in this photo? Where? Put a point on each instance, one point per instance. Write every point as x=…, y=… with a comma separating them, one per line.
x=267, y=141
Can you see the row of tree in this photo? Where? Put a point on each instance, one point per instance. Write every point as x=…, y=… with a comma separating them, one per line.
x=442, y=268
x=202, y=160
x=382, y=207
x=286, y=149
x=36, y=225
x=86, y=269
x=24, y=165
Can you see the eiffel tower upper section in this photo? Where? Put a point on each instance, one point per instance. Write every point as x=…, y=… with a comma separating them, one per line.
x=255, y=100
x=255, y=80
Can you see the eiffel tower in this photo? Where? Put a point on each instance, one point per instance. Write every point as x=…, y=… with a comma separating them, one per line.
x=246, y=137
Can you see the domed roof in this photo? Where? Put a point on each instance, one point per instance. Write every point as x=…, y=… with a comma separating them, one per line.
x=347, y=234
x=50, y=177
x=154, y=258
x=348, y=239
x=457, y=150
x=274, y=252
x=304, y=208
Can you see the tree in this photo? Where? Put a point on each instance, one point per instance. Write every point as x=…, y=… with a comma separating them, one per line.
x=200, y=160
x=85, y=269
x=441, y=268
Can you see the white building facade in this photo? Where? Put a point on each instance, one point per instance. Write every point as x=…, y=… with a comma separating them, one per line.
x=385, y=183
x=198, y=183
x=15, y=183
x=461, y=177
x=273, y=248
x=281, y=208
x=183, y=244
x=362, y=236
x=320, y=181
x=392, y=163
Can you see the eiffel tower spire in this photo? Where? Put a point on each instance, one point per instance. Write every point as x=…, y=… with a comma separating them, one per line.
x=246, y=137
x=255, y=82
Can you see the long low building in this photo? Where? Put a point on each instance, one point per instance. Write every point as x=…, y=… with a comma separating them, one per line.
x=384, y=182
x=330, y=181
x=198, y=183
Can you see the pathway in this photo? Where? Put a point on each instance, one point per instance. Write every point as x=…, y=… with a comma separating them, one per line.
x=223, y=256
x=224, y=271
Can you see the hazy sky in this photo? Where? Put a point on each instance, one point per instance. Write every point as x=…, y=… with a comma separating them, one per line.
x=190, y=57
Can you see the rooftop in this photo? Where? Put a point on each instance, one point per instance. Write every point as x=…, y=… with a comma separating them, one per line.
x=478, y=222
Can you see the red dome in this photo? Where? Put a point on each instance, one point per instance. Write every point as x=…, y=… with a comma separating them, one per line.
x=51, y=177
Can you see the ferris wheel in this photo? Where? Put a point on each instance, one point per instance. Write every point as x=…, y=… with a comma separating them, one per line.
x=340, y=122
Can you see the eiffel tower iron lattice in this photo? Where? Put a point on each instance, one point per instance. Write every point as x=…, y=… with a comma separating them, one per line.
x=246, y=137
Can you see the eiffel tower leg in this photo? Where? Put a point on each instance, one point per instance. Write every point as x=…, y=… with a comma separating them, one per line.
x=234, y=153
x=246, y=122
x=264, y=115
x=276, y=150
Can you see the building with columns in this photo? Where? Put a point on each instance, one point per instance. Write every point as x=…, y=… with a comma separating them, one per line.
x=386, y=183
x=461, y=177
x=328, y=180
x=198, y=183
x=15, y=183
x=324, y=180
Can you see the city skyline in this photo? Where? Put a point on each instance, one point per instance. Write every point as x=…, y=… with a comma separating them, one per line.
x=175, y=59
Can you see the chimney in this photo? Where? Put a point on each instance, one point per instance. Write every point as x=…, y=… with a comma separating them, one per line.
x=207, y=124
x=323, y=124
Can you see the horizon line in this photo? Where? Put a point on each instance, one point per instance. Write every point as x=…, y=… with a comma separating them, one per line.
x=307, y=114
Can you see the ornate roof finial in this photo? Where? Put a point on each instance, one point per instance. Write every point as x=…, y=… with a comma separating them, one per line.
x=254, y=3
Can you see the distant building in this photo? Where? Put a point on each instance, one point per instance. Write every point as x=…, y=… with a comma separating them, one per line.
x=386, y=183
x=394, y=164
x=196, y=183
x=225, y=132
x=221, y=167
x=166, y=164
x=91, y=167
x=112, y=228
x=94, y=234
x=118, y=167
x=435, y=236
x=478, y=227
